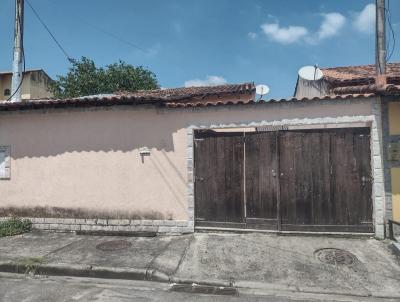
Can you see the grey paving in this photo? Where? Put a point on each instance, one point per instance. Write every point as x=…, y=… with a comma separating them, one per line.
x=250, y=261
x=288, y=262
x=33, y=245
x=142, y=252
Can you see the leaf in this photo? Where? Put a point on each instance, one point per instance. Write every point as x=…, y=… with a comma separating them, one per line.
x=84, y=78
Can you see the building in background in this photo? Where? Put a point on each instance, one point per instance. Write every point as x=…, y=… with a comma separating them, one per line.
x=35, y=85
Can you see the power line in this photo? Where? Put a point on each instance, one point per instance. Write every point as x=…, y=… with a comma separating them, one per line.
x=106, y=32
x=114, y=36
x=50, y=33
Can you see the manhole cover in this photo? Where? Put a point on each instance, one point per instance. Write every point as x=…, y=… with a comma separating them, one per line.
x=335, y=256
x=113, y=245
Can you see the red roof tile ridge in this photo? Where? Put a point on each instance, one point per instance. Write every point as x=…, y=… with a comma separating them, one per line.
x=151, y=96
x=359, y=72
x=390, y=65
x=222, y=88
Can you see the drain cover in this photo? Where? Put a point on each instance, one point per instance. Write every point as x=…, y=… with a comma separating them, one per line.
x=335, y=256
x=113, y=245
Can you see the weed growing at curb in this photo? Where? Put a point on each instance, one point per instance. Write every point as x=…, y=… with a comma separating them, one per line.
x=14, y=226
x=30, y=264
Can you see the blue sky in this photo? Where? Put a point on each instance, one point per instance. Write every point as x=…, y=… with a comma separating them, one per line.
x=201, y=41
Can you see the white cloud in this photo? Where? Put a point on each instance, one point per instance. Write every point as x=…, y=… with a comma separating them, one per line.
x=284, y=35
x=252, y=35
x=331, y=25
x=364, y=21
x=209, y=81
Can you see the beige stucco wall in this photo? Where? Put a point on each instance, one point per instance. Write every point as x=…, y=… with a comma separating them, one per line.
x=6, y=84
x=39, y=85
x=89, y=158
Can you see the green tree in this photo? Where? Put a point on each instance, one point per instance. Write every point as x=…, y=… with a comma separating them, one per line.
x=85, y=78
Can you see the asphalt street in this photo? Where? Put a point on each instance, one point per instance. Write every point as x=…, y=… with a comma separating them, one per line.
x=23, y=288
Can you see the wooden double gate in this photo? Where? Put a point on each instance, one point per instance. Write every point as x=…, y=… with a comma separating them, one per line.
x=295, y=180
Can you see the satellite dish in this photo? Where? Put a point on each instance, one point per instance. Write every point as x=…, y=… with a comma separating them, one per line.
x=311, y=73
x=262, y=89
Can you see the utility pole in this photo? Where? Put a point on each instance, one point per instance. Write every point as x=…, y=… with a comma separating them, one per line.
x=380, y=43
x=17, y=76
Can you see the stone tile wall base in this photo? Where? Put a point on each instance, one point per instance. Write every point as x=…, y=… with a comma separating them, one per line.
x=113, y=225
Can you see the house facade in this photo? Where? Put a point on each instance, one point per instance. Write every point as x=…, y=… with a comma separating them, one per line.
x=35, y=84
x=176, y=160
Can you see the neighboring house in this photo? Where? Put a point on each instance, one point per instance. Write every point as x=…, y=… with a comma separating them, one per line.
x=35, y=84
x=361, y=79
x=201, y=157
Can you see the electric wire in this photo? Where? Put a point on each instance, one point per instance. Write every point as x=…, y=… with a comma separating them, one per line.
x=20, y=23
x=114, y=36
x=49, y=32
x=105, y=31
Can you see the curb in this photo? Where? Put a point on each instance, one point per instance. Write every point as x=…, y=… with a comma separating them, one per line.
x=86, y=271
x=395, y=247
x=141, y=274
x=254, y=285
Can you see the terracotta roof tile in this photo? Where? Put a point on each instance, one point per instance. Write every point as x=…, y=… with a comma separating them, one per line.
x=371, y=88
x=175, y=97
x=364, y=74
x=189, y=92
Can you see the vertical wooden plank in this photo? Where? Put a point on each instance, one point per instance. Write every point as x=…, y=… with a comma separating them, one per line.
x=260, y=160
x=219, y=177
x=277, y=181
x=320, y=173
x=200, y=148
x=322, y=202
x=287, y=158
x=362, y=153
x=351, y=179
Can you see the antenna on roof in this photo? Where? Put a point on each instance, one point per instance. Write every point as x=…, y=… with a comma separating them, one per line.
x=311, y=73
x=262, y=90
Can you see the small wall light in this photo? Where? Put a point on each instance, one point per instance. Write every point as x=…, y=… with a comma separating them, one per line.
x=144, y=152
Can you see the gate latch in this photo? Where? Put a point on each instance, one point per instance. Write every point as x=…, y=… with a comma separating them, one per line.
x=365, y=179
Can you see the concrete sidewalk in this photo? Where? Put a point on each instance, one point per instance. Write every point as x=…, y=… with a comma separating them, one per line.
x=254, y=260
